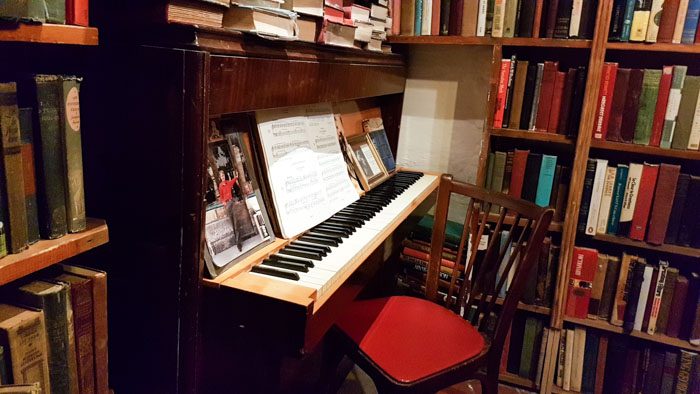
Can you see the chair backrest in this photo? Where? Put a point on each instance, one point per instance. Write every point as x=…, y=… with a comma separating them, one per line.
x=485, y=258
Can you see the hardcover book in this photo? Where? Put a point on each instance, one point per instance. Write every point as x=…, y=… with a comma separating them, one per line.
x=609, y=288
x=647, y=184
x=647, y=106
x=26, y=133
x=69, y=114
x=686, y=112
x=656, y=294
x=629, y=117
x=618, y=105
x=675, y=217
x=605, y=98
x=24, y=331
x=662, y=202
x=606, y=199
x=674, y=100
x=583, y=268
x=661, y=105
x=629, y=200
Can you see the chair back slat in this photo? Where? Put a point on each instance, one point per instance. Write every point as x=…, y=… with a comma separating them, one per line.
x=479, y=274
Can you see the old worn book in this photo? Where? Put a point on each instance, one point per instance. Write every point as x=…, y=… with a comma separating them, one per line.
x=680, y=294
x=666, y=299
x=674, y=100
x=555, y=112
x=507, y=172
x=618, y=105
x=23, y=10
x=469, y=17
x=686, y=112
x=647, y=276
x=549, y=76
x=633, y=295
x=586, y=196
x=690, y=306
x=563, y=19
x=77, y=12
x=663, y=202
x=691, y=214
x=656, y=295
x=50, y=164
x=657, y=124
x=562, y=194
x=192, y=12
x=21, y=389
x=509, y=90
x=69, y=112
x=597, y=285
x=526, y=18
x=616, y=20
x=499, y=166
x=528, y=95
x=650, y=299
x=617, y=198
x=561, y=359
x=617, y=315
x=629, y=117
x=26, y=131
x=408, y=17
x=607, y=299
x=654, y=20
x=566, y=101
x=668, y=21
x=668, y=376
x=52, y=299
x=642, y=208
x=536, y=97
x=532, y=170
x=606, y=199
x=640, y=20
x=605, y=99
x=23, y=332
x=647, y=106
x=266, y=22
x=629, y=201
x=674, y=221
x=685, y=367
x=596, y=195
x=12, y=179
x=531, y=342
x=502, y=93
x=590, y=359
x=577, y=358
x=509, y=18
x=82, y=304
x=577, y=101
x=518, y=93
x=568, y=359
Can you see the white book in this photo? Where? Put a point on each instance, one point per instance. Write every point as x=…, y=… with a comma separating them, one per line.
x=543, y=350
x=680, y=21
x=427, y=17
x=694, y=140
x=658, y=294
x=654, y=19
x=385, y=3
x=499, y=14
x=561, y=358
x=577, y=359
x=381, y=13
x=597, y=194
x=643, y=297
x=568, y=359
x=606, y=200
x=575, y=22
x=629, y=201
x=481, y=18
x=674, y=102
x=363, y=33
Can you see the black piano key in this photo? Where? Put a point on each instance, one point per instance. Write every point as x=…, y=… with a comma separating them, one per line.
x=266, y=270
x=321, y=247
x=330, y=232
x=318, y=240
x=361, y=211
x=301, y=253
x=337, y=227
x=310, y=248
x=289, y=266
x=292, y=259
x=331, y=238
x=358, y=220
x=344, y=221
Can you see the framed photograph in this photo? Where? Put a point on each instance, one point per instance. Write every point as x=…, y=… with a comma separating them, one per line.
x=236, y=221
x=368, y=164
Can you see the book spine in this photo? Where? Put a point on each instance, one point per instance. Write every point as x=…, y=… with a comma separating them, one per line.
x=499, y=9
x=604, y=100
x=77, y=12
x=640, y=20
x=481, y=18
x=518, y=175
x=600, y=364
x=691, y=22
x=566, y=101
x=568, y=360
x=583, y=267
x=685, y=367
x=575, y=23
x=674, y=222
x=631, y=109
x=632, y=297
x=408, y=17
x=502, y=92
x=546, y=178
x=551, y=21
x=597, y=288
x=674, y=101
x=643, y=295
x=29, y=354
x=536, y=96
x=590, y=358
x=73, y=157
x=689, y=316
x=561, y=27
x=396, y=17
x=56, y=11
x=528, y=95
x=630, y=198
x=426, y=17
x=509, y=19
x=658, y=293
x=13, y=182
x=606, y=200
x=650, y=299
x=29, y=174
x=596, y=195
x=525, y=20
x=618, y=105
x=577, y=358
x=686, y=111
x=541, y=354
x=586, y=196
x=456, y=6
x=647, y=105
x=616, y=20
x=561, y=359
x=691, y=214
x=654, y=20
x=499, y=166
x=617, y=199
x=694, y=136
x=469, y=16
x=555, y=111
x=51, y=171
x=642, y=208
x=529, y=340
x=518, y=93
x=661, y=105
x=81, y=300
x=680, y=21
x=668, y=20
x=627, y=20
x=663, y=202
x=665, y=308
x=549, y=75
x=668, y=376
x=489, y=16
x=617, y=316
x=445, y=19
x=418, y=21
x=507, y=172
x=680, y=293
x=609, y=288
x=508, y=105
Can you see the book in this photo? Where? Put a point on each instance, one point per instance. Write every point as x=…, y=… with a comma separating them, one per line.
x=691, y=214
x=650, y=295
x=526, y=19
x=481, y=18
x=666, y=299
x=647, y=184
x=532, y=170
x=627, y=20
x=518, y=93
x=617, y=198
x=528, y=95
x=568, y=359
x=192, y=12
x=654, y=20
x=618, y=105
x=26, y=134
x=632, y=296
x=541, y=354
x=674, y=100
x=24, y=11
x=694, y=137
x=600, y=364
x=691, y=22
x=596, y=194
x=662, y=202
x=509, y=18
x=614, y=366
x=690, y=307
x=549, y=75
x=674, y=221
x=545, y=180
x=685, y=367
x=607, y=299
x=469, y=17
x=629, y=117
x=536, y=97
x=668, y=21
x=656, y=294
x=643, y=297
x=597, y=285
x=518, y=172
x=408, y=17
x=668, y=376
x=555, y=112
x=12, y=181
x=590, y=359
x=586, y=195
x=381, y=144
x=509, y=91
x=69, y=115
x=563, y=19
x=680, y=293
x=21, y=389
x=550, y=21
x=631, y=368
x=629, y=200
x=680, y=21
x=566, y=101
x=686, y=112
x=531, y=341
x=605, y=98
x=577, y=101
x=24, y=331
x=499, y=165
x=617, y=20
x=655, y=372
x=640, y=20
x=606, y=199
x=647, y=106
x=617, y=314
x=577, y=358
x=51, y=174
x=583, y=268
x=499, y=10
x=77, y=12
x=517, y=333
x=561, y=358
x=502, y=93
x=56, y=11
x=657, y=124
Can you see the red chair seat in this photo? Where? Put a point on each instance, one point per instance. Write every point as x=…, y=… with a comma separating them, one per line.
x=410, y=338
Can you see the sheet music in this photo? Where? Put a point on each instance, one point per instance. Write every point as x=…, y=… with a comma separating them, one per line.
x=308, y=175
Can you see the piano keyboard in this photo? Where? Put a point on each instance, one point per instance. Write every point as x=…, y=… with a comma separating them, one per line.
x=320, y=256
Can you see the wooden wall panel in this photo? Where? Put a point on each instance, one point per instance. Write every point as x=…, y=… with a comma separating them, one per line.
x=240, y=84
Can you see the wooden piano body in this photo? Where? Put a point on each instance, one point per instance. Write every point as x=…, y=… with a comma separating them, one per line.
x=147, y=109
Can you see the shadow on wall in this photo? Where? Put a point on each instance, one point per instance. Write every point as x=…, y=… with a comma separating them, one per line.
x=444, y=109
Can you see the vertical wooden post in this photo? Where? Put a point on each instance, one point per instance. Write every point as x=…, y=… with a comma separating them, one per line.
x=496, y=55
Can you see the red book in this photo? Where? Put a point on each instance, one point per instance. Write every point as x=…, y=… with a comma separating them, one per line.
x=559, y=82
x=517, y=175
x=631, y=108
x=617, y=108
x=454, y=27
x=583, y=267
x=549, y=76
x=333, y=14
x=661, y=103
x=673, y=327
x=600, y=364
x=663, y=202
x=647, y=184
x=668, y=21
x=435, y=19
x=426, y=257
x=605, y=97
x=338, y=4
x=77, y=12
x=502, y=93
x=396, y=17
x=565, y=107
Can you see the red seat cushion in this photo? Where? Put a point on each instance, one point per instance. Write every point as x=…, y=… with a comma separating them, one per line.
x=410, y=338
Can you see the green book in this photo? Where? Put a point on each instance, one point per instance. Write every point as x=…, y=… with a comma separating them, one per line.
x=72, y=153
x=686, y=113
x=56, y=11
x=489, y=171
x=674, y=100
x=647, y=106
x=499, y=167
x=531, y=342
x=23, y=10
x=453, y=230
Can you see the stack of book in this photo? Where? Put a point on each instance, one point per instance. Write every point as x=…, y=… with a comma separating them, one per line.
x=524, y=348
x=649, y=107
x=645, y=202
x=69, y=12
x=589, y=362
x=41, y=177
x=634, y=294
x=539, y=97
x=53, y=332
x=531, y=176
x=669, y=21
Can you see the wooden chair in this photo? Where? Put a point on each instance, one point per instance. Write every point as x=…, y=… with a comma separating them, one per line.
x=414, y=345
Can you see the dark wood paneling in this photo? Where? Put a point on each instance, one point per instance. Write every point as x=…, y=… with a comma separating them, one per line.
x=240, y=84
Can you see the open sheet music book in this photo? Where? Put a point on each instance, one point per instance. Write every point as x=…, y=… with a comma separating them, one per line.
x=307, y=173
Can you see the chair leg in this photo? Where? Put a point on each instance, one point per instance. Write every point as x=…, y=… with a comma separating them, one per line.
x=330, y=380
x=489, y=382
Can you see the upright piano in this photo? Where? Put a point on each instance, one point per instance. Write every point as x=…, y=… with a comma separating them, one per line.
x=148, y=107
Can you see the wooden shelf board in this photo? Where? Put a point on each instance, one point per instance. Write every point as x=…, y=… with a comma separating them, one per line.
x=516, y=41
x=553, y=226
x=658, y=338
x=533, y=135
x=646, y=150
x=48, y=252
x=666, y=248
x=557, y=389
x=655, y=47
x=50, y=34
x=517, y=380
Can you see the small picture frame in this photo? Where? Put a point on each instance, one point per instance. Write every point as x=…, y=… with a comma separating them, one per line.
x=368, y=163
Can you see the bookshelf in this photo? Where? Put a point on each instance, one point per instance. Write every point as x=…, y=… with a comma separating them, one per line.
x=645, y=150
x=514, y=41
x=533, y=136
x=50, y=34
x=656, y=47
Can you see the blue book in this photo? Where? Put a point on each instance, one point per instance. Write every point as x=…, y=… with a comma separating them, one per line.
x=617, y=197
x=691, y=22
x=418, y=23
x=544, y=184
x=590, y=361
x=626, y=22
